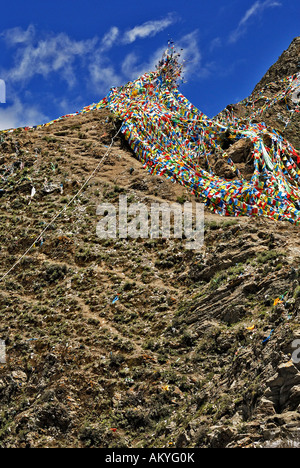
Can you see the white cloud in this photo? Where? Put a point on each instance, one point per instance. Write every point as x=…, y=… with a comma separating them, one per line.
x=17, y=35
x=133, y=66
x=215, y=44
x=148, y=29
x=103, y=76
x=191, y=53
x=110, y=38
x=19, y=115
x=56, y=53
x=255, y=10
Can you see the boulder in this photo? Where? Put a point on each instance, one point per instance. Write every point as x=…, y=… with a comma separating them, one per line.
x=240, y=151
x=284, y=388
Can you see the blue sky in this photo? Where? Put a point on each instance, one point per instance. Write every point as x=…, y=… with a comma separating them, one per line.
x=57, y=57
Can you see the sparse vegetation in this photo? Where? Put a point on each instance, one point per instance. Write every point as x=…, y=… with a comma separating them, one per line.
x=136, y=342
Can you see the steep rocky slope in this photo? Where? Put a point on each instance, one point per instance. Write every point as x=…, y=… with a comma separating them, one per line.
x=287, y=64
x=279, y=115
x=196, y=351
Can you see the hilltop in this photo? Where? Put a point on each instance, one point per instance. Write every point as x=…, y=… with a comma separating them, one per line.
x=272, y=83
x=196, y=351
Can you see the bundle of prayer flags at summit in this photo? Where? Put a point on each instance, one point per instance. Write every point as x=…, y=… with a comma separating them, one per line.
x=169, y=135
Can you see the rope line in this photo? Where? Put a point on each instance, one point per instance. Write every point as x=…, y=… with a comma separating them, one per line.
x=63, y=210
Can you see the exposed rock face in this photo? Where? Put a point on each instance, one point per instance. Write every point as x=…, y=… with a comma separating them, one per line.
x=284, y=388
x=277, y=117
x=239, y=151
x=287, y=64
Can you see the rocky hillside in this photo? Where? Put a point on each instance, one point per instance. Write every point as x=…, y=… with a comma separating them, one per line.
x=196, y=351
x=287, y=64
x=279, y=115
